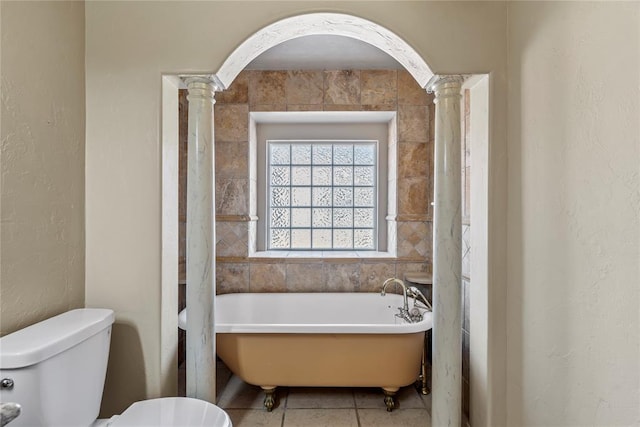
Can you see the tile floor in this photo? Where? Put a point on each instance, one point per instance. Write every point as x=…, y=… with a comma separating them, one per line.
x=320, y=407
x=317, y=407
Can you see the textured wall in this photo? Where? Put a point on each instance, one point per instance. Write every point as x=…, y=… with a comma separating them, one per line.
x=574, y=230
x=346, y=90
x=42, y=161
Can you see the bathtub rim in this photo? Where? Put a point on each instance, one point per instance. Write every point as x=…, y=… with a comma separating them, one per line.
x=316, y=328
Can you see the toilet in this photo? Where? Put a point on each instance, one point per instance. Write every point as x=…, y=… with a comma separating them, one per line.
x=56, y=371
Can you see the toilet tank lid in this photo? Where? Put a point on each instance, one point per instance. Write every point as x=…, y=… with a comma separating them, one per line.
x=45, y=339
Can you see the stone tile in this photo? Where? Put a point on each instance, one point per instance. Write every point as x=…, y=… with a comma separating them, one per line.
x=304, y=87
x=413, y=123
x=413, y=197
x=232, y=278
x=378, y=87
x=320, y=418
x=342, y=277
x=267, y=87
x=413, y=160
x=304, y=107
x=373, y=398
x=341, y=107
x=398, y=418
x=240, y=395
x=256, y=417
x=372, y=275
x=231, y=196
x=231, y=239
x=268, y=277
x=369, y=398
x=409, y=91
x=342, y=87
x=414, y=240
x=379, y=107
x=405, y=267
x=320, y=398
x=268, y=107
x=238, y=92
x=305, y=277
x=432, y=117
x=232, y=159
x=231, y=122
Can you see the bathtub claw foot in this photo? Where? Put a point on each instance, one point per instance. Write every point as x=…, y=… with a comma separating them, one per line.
x=389, y=399
x=269, y=398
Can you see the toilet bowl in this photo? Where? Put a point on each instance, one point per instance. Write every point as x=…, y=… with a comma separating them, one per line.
x=171, y=411
x=56, y=371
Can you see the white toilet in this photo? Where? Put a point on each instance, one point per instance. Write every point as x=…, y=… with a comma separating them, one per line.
x=56, y=370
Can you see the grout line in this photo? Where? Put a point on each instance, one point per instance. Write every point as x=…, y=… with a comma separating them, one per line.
x=355, y=407
x=358, y=418
x=284, y=414
x=284, y=407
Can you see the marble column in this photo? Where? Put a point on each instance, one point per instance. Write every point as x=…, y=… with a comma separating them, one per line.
x=447, y=256
x=201, y=351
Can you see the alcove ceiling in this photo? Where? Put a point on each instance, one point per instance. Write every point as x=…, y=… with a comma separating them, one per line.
x=323, y=52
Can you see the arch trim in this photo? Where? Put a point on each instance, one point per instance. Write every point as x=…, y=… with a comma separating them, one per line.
x=324, y=24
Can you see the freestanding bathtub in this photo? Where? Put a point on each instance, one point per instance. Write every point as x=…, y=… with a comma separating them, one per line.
x=318, y=339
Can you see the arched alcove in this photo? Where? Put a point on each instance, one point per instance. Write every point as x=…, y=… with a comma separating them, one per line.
x=324, y=24
x=333, y=24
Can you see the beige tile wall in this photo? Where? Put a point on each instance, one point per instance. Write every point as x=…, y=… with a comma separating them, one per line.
x=341, y=90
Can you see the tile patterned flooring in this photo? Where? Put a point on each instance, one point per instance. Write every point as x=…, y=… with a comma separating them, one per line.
x=317, y=407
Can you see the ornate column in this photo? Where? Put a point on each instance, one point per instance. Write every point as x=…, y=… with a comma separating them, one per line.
x=201, y=351
x=447, y=256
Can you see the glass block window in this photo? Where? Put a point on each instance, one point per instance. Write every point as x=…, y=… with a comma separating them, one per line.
x=322, y=195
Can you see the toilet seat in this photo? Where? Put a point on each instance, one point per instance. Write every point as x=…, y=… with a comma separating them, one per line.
x=172, y=411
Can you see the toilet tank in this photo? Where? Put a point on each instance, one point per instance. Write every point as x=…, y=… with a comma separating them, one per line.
x=58, y=368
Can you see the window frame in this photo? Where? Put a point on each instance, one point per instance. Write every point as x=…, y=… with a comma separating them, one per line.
x=324, y=125
x=268, y=228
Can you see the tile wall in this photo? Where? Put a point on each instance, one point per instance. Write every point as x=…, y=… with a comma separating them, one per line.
x=341, y=90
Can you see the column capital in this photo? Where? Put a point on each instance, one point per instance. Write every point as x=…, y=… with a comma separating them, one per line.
x=202, y=87
x=191, y=80
x=445, y=85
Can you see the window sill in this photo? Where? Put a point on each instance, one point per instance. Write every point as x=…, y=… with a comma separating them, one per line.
x=322, y=254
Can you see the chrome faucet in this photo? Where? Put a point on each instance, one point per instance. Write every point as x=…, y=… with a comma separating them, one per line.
x=413, y=315
x=404, y=290
x=415, y=293
x=404, y=311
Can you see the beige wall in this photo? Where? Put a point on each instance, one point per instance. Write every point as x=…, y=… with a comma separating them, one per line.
x=42, y=161
x=129, y=45
x=574, y=232
x=572, y=183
